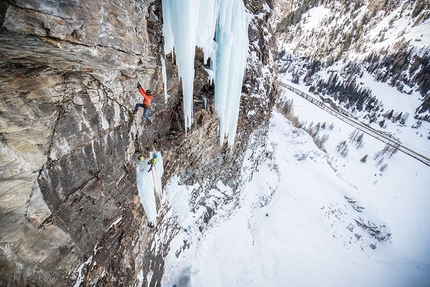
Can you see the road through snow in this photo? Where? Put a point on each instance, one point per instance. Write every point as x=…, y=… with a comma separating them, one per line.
x=366, y=129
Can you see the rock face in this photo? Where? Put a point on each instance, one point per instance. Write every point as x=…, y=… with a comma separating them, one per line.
x=69, y=207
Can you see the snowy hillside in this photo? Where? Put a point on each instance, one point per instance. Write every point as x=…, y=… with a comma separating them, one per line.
x=371, y=60
x=308, y=218
x=345, y=30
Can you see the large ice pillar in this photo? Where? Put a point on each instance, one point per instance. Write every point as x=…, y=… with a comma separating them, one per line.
x=232, y=49
x=179, y=30
x=158, y=171
x=191, y=23
x=163, y=73
x=147, y=183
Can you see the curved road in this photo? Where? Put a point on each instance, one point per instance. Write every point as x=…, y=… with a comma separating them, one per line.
x=366, y=129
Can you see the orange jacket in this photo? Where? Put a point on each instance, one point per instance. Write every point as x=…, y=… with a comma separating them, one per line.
x=146, y=98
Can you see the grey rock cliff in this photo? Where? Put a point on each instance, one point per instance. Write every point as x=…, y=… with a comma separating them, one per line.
x=69, y=209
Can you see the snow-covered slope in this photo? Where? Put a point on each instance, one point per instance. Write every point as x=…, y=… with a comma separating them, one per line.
x=308, y=218
x=370, y=58
x=339, y=29
x=411, y=132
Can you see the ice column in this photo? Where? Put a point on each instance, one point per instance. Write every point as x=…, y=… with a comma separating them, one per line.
x=179, y=30
x=163, y=72
x=146, y=183
x=158, y=171
x=232, y=50
x=191, y=23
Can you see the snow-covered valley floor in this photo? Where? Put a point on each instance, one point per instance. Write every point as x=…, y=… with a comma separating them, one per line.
x=308, y=217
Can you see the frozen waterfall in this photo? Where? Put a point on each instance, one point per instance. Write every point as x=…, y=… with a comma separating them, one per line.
x=191, y=23
x=147, y=183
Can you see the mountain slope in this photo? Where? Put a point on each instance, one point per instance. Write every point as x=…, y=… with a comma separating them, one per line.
x=308, y=218
x=370, y=58
x=348, y=215
x=352, y=29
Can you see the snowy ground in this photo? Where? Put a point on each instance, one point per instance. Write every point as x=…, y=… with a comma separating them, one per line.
x=297, y=220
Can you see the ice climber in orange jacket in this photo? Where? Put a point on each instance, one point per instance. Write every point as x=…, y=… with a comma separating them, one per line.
x=147, y=97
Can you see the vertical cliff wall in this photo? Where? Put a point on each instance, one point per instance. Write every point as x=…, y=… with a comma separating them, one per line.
x=67, y=81
x=69, y=209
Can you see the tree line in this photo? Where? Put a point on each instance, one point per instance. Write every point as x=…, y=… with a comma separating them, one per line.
x=405, y=70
